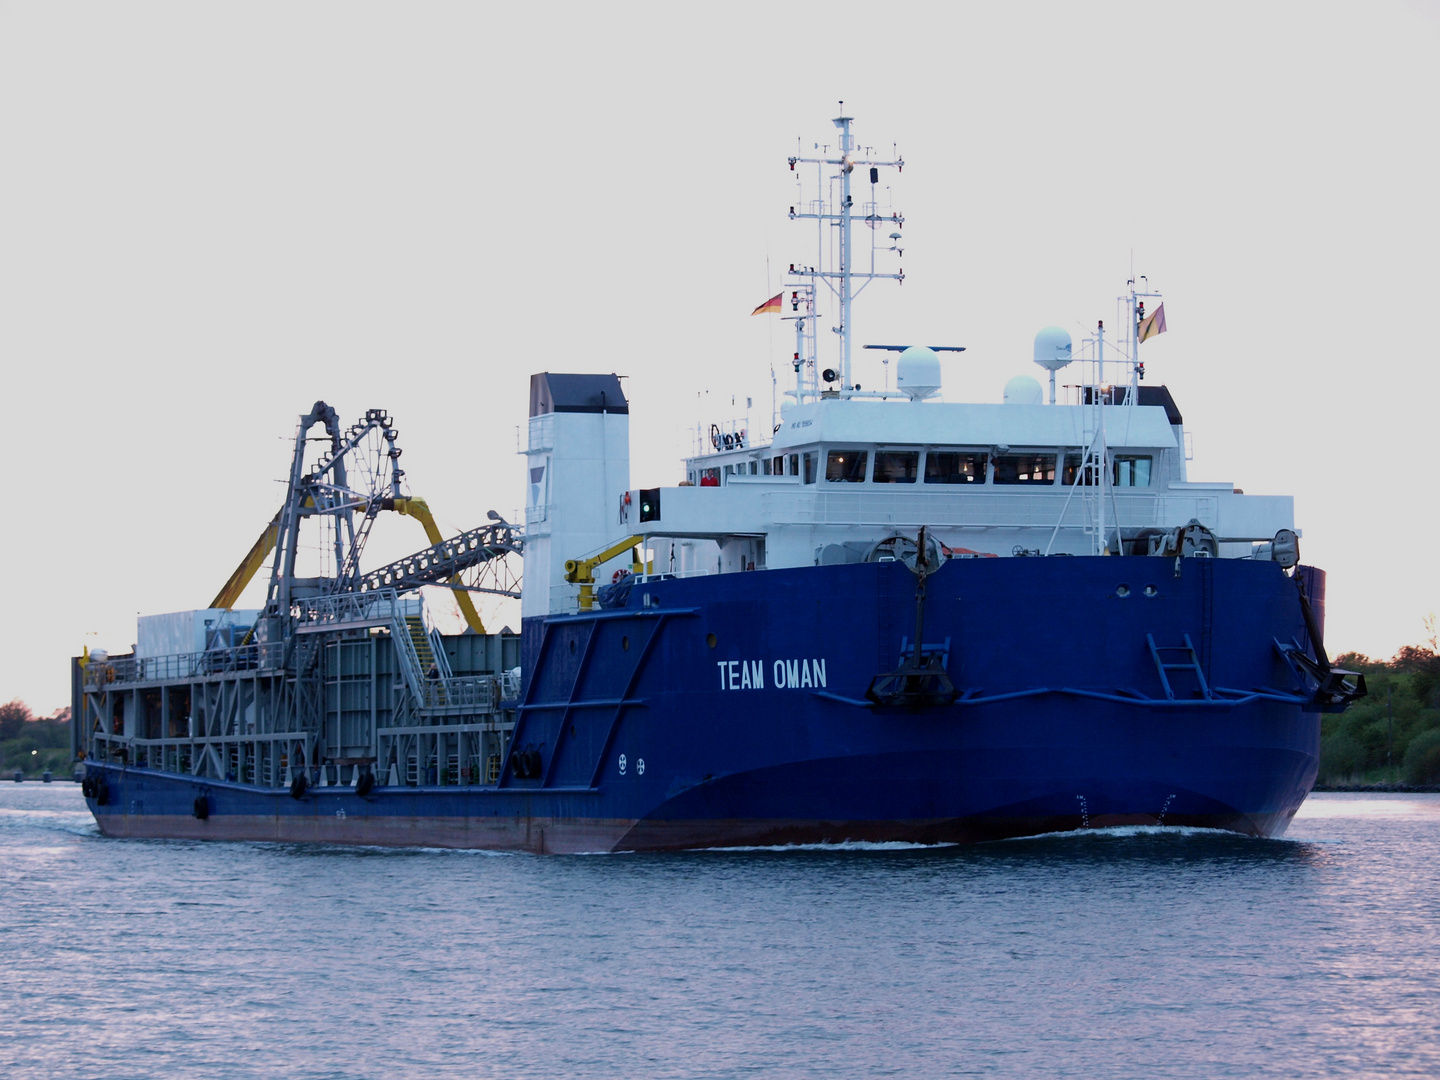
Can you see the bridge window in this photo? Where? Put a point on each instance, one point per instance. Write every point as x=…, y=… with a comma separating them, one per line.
x=896, y=466
x=846, y=466
x=1132, y=471
x=947, y=467
x=809, y=467
x=1024, y=468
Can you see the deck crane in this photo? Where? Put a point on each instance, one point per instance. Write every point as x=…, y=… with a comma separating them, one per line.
x=352, y=498
x=581, y=571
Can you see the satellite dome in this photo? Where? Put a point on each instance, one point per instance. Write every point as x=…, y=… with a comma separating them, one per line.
x=917, y=372
x=1023, y=390
x=1052, y=348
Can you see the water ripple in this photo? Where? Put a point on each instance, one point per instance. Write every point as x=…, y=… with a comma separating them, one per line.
x=1136, y=951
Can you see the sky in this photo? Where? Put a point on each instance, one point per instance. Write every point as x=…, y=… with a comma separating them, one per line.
x=212, y=215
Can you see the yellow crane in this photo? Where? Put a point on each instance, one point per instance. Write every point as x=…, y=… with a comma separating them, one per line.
x=580, y=571
x=252, y=562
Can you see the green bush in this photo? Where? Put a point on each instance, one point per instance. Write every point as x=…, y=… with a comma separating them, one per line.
x=1422, y=758
x=33, y=745
x=1376, y=732
x=1341, y=757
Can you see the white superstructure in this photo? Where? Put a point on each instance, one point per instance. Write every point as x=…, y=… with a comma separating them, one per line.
x=848, y=470
x=995, y=480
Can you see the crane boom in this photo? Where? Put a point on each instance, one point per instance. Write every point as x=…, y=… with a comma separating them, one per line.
x=420, y=511
x=443, y=562
x=252, y=562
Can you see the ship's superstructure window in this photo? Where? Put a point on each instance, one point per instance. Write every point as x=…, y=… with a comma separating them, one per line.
x=949, y=467
x=1024, y=468
x=1073, y=470
x=846, y=466
x=777, y=466
x=794, y=469
x=896, y=466
x=1132, y=471
x=1126, y=471
x=809, y=468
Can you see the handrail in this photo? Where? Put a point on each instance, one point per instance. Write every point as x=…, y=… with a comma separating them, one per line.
x=408, y=657
x=378, y=606
x=1242, y=697
x=133, y=669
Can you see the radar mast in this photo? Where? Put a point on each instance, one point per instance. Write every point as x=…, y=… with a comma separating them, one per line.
x=833, y=207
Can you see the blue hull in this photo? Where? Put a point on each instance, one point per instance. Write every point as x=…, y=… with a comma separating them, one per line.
x=732, y=710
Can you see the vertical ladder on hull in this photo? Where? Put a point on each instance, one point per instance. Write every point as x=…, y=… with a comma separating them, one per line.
x=1190, y=663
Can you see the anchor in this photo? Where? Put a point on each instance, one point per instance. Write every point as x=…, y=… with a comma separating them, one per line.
x=1335, y=687
x=921, y=680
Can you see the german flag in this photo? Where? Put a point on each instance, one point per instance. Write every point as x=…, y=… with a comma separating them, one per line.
x=1153, y=324
x=771, y=306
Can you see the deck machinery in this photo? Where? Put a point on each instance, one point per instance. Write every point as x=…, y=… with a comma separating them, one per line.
x=342, y=677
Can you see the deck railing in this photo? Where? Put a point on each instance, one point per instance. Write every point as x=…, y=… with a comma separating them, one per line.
x=139, y=669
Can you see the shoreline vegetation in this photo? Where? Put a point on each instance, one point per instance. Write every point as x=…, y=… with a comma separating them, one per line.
x=1386, y=742
x=1390, y=740
x=32, y=744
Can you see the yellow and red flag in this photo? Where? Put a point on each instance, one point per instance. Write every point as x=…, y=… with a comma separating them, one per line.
x=769, y=306
x=1153, y=324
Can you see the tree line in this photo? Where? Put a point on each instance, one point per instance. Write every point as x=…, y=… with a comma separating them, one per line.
x=32, y=744
x=1392, y=736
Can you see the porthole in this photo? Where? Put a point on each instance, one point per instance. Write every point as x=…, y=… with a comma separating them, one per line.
x=710, y=640
x=1122, y=590
x=625, y=642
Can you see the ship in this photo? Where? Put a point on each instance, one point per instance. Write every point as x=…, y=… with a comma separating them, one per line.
x=880, y=617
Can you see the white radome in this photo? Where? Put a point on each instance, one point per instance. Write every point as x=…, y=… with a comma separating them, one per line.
x=1052, y=348
x=1023, y=390
x=917, y=372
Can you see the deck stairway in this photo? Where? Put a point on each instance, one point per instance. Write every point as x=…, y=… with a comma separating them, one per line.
x=415, y=626
x=432, y=665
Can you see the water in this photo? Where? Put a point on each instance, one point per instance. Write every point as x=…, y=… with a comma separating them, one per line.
x=1126, y=953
